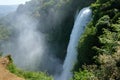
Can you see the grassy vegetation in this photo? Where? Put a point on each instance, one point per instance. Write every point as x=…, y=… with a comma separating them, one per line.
x=84, y=75
x=28, y=75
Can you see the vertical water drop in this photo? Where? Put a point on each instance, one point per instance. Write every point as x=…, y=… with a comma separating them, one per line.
x=81, y=21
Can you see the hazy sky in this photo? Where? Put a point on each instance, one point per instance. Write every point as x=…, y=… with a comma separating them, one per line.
x=11, y=2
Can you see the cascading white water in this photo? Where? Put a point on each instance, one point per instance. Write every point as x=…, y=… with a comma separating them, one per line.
x=82, y=19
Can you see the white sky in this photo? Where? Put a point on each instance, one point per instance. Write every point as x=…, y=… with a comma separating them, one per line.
x=12, y=2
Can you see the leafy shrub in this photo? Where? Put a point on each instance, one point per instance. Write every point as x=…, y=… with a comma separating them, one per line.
x=84, y=75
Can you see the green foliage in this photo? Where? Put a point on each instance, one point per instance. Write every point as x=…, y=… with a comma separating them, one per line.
x=109, y=40
x=27, y=75
x=4, y=33
x=116, y=27
x=84, y=75
x=108, y=68
x=106, y=43
x=105, y=7
x=103, y=22
x=49, y=3
x=101, y=1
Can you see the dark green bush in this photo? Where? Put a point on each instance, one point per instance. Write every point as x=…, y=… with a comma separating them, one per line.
x=84, y=75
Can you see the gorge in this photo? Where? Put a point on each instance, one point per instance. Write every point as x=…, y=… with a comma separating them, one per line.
x=47, y=40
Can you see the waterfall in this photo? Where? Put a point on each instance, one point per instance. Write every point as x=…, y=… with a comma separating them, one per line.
x=81, y=21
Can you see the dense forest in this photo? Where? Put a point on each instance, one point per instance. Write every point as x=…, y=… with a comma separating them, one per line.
x=98, y=55
x=98, y=49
